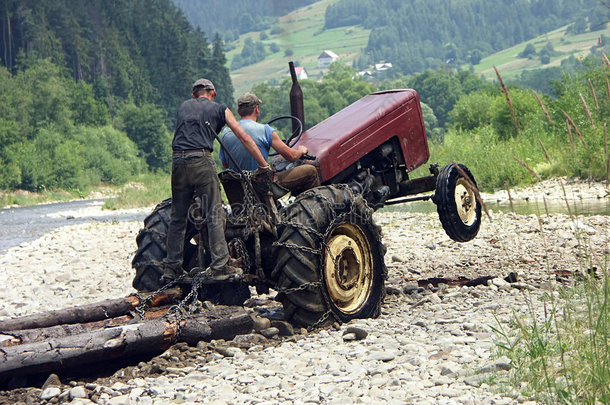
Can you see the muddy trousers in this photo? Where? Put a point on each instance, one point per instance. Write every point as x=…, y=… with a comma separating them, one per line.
x=196, y=177
x=299, y=178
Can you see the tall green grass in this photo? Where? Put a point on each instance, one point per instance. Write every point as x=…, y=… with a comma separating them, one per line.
x=563, y=356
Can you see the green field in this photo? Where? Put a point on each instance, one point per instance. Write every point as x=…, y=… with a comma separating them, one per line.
x=301, y=31
x=511, y=65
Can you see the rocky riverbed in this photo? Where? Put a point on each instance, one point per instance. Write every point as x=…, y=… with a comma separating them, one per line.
x=429, y=346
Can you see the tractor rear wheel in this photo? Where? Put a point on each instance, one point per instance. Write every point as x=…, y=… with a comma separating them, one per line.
x=152, y=249
x=456, y=203
x=329, y=258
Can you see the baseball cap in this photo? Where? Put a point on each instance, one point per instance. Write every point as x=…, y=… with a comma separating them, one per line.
x=205, y=83
x=248, y=99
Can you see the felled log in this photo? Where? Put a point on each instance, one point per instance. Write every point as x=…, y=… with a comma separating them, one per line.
x=22, y=336
x=145, y=337
x=85, y=313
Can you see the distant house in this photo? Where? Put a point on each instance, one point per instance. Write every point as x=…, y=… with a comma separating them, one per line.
x=380, y=67
x=326, y=58
x=301, y=72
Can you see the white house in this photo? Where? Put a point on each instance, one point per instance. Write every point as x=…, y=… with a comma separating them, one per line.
x=380, y=67
x=326, y=58
x=301, y=72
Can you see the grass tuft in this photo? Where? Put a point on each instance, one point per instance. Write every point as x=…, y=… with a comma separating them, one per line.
x=147, y=190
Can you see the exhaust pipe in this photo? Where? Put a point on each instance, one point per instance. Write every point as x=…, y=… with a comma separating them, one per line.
x=296, y=100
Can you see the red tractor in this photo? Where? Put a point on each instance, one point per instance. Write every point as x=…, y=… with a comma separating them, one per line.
x=321, y=251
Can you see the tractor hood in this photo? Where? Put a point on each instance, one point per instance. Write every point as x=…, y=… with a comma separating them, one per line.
x=353, y=132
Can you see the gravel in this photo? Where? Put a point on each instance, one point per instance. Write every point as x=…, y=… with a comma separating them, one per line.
x=429, y=346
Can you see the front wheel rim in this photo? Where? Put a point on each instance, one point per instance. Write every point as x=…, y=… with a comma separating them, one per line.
x=348, y=268
x=465, y=202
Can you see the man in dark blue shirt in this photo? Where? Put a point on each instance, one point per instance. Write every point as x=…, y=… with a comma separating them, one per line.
x=194, y=175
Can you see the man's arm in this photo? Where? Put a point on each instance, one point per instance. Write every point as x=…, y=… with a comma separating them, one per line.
x=288, y=153
x=245, y=139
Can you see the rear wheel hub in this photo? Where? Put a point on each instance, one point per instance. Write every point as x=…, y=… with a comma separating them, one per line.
x=348, y=268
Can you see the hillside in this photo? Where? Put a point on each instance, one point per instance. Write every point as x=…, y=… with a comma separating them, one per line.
x=304, y=33
x=565, y=45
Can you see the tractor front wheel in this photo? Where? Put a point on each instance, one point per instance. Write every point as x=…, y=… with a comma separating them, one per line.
x=457, y=205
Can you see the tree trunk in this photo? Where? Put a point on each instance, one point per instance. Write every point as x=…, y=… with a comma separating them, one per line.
x=24, y=336
x=85, y=313
x=97, y=345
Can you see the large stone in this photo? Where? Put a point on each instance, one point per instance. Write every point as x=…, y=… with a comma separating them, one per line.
x=501, y=364
x=50, y=392
x=78, y=392
x=284, y=328
x=354, y=333
x=270, y=332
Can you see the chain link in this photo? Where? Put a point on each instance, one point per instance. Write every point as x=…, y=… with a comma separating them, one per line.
x=186, y=307
x=321, y=321
x=301, y=287
x=294, y=246
x=238, y=248
x=146, y=300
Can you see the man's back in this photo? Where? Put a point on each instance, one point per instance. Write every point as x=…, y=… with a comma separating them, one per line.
x=262, y=136
x=191, y=131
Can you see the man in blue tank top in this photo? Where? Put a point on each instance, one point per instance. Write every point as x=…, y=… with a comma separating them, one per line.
x=297, y=179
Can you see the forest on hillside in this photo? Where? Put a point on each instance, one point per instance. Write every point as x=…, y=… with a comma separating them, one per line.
x=416, y=35
x=233, y=18
x=139, y=50
x=90, y=88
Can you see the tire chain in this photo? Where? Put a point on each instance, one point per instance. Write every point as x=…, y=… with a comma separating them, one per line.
x=178, y=311
x=336, y=219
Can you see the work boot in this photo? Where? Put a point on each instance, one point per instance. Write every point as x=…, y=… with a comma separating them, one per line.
x=225, y=274
x=171, y=271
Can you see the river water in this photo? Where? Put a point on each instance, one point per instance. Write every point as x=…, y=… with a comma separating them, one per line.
x=23, y=224
x=586, y=207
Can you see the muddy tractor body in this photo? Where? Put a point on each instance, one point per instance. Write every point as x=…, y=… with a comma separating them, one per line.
x=321, y=251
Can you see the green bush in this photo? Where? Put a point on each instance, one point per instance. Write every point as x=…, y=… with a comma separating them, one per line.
x=145, y=126
x=525, y=108
x=111, y=157
x=472, y=111
x=485, y=138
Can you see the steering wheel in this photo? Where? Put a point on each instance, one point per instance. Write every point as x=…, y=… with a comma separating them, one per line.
x=294, y=137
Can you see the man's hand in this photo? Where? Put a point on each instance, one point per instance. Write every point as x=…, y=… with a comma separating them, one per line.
x=302, y=150
x=262, y=170
x=262, y=179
